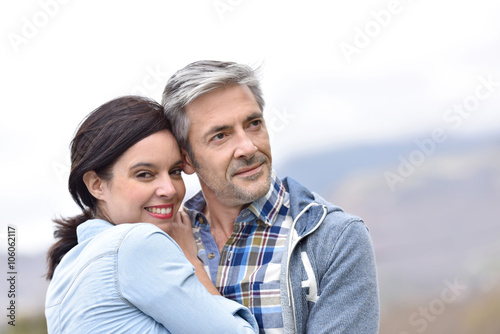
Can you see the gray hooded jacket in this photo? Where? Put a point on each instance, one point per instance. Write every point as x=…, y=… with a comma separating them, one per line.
x=328, y=274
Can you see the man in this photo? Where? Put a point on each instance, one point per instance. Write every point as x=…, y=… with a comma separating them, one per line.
x=299, y=263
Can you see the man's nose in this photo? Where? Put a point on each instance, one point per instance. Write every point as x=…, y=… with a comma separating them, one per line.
x=245, y=147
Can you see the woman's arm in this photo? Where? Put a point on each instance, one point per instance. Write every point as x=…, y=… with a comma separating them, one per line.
x=154, y=275
x=180, y=230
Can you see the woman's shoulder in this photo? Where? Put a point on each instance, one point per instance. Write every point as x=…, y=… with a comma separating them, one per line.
x=104, y=237
x=136, y=230
x=144, y=237
x=97, y=228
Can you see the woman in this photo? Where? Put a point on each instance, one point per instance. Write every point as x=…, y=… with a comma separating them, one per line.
x=111, y=274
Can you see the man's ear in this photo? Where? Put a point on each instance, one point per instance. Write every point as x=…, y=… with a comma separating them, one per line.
x=187, y=163
x=94, y=184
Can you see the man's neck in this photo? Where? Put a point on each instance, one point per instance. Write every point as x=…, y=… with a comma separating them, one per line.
x=221, y=217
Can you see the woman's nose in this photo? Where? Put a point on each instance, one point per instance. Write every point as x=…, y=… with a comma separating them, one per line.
x=165, y=188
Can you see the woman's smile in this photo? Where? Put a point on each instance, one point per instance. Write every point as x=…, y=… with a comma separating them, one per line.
x=164, y=211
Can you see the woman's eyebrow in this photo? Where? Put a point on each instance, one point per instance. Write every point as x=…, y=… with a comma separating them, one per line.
x=150, y=165
x=142, y=164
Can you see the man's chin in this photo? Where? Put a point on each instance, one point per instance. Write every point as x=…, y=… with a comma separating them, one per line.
x=253, y=187
x=244, y=197
x=242, y=190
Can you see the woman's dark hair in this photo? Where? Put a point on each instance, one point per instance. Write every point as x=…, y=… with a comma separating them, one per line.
x=103, y=136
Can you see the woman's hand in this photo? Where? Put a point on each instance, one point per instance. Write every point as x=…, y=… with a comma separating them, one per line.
x=180, y=230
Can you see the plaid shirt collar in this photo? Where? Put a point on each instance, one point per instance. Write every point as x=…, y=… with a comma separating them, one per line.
x=265, y=209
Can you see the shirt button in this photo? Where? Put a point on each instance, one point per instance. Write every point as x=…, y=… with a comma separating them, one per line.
x=211, y=256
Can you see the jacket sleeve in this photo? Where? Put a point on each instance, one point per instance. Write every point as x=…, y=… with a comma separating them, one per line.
x=154, y=276
x=347, y=300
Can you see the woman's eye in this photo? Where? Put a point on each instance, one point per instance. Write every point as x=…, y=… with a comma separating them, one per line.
x=144, y=175
x=177, y=171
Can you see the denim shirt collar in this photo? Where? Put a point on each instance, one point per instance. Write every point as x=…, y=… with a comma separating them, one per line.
x=91, y=228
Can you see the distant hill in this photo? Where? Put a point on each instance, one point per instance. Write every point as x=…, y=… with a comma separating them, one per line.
x=323, y=171
x=440, y=224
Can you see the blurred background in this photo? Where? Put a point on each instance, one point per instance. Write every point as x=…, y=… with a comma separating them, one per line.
x=389, y=109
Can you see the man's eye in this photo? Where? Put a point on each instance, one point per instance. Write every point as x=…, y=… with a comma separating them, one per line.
x=218, y=136
x=255, y=123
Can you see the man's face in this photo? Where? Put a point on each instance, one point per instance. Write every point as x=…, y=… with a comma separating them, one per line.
x=230, y=145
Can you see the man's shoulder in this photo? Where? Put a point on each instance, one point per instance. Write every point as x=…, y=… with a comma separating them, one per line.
x=331, y=215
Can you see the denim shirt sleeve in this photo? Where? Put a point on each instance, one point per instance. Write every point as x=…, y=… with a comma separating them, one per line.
x=154, y=276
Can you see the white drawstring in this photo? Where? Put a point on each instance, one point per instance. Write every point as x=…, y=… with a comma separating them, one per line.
x=291, y=244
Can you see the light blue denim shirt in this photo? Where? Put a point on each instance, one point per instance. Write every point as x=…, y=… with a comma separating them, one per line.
x=133, y=278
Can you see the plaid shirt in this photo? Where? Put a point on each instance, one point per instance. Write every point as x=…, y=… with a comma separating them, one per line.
x=248, y=269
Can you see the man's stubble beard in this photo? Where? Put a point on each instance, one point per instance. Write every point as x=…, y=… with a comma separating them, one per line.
x=230, y=194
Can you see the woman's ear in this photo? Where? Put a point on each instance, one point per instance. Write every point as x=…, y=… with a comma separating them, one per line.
x=94, y=184
x=187, y=163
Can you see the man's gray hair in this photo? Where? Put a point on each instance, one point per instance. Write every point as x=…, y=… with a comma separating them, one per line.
x=199, y=78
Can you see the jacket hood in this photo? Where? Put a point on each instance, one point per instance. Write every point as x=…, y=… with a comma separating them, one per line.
x=301, y=198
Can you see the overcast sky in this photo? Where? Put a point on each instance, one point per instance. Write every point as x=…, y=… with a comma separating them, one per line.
x=333, y=74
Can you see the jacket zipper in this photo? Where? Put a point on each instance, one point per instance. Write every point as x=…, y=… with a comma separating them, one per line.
x=291, y=248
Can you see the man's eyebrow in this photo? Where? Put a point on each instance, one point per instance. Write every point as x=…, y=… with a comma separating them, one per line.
x=254, y=115
x=217, y=128
x=220, y=128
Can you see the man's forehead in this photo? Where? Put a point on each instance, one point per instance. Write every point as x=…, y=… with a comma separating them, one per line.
x=224, y=104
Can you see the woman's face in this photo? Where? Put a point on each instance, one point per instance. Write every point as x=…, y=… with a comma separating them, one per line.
x=146, y=183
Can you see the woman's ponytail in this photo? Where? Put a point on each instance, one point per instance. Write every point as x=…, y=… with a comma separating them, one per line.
x=65, y=234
